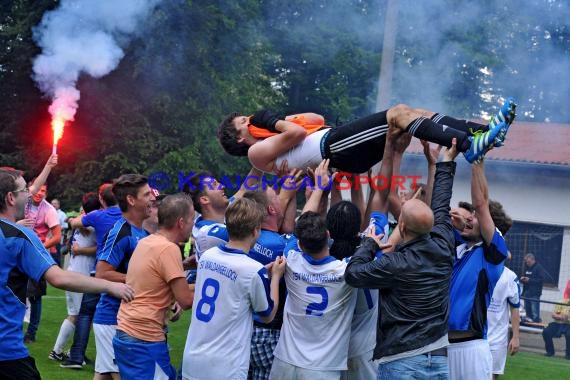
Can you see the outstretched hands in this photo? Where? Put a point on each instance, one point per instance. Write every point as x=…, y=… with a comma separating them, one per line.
x=450, y=153
x=321, y=177
x=398, y=140
x=431, y=154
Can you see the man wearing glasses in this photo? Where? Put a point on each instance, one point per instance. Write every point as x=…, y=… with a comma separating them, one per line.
x=23, y=256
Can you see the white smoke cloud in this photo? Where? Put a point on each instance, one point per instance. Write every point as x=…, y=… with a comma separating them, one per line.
x=83, y=36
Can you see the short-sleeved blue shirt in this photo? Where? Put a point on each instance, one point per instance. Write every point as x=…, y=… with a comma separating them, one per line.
x=22, y=256
x=476, y=271
x=117, y=251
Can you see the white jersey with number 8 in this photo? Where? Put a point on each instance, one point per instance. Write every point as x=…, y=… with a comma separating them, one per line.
x=230, y=286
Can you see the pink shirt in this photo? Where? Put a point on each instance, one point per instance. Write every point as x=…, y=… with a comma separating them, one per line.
x=45, y=217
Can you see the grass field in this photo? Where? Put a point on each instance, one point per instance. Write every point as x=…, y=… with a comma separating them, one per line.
x=525, y=366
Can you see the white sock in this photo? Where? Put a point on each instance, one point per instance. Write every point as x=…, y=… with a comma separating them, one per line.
x=65, y=333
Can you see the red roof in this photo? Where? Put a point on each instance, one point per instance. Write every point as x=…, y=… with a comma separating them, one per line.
x=543, y=143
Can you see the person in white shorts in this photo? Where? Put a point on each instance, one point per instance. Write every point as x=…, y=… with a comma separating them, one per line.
x=230, y=287
x=479, y=263
x=506, y=296
x=82, y=260
x=135, y=199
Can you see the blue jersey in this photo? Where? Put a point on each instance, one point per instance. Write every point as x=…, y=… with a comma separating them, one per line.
x=101, y=221
x=22, y=256
x=117, y=251
x=266, y=249
x=475, y=273
x=269, y=245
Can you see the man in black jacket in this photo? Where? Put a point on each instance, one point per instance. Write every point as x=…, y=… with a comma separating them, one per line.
x=532, y=279
x=414, y=284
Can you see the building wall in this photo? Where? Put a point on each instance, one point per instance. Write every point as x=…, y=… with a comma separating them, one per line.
x=557, y=294
x=529, y=193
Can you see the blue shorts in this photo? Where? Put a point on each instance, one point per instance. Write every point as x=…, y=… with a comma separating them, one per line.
x=140, y=360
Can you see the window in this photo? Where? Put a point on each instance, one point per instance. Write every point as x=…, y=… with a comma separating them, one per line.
x=542, y=240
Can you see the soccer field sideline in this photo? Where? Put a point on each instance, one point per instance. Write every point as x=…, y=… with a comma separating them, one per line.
x=527, y=366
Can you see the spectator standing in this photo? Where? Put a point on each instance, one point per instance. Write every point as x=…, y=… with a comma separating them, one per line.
x=533, y=279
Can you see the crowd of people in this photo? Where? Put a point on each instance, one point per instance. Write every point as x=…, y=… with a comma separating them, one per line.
x=337, y=292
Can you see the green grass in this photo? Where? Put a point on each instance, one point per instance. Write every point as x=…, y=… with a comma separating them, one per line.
x=54, y=311
x=528, y=366
x=523, y=365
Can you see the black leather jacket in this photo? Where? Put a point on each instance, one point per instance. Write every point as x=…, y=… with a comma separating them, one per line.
x=413, y=280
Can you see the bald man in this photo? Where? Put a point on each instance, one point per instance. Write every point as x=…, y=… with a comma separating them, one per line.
x=414, y=284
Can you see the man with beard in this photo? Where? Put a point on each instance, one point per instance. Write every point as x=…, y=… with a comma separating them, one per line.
x=210, y=200
x=479, y=262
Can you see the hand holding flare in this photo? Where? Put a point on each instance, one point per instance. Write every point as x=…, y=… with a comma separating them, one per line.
x=57, y=125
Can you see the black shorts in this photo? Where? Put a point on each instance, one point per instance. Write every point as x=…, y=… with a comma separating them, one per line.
x=19, y=369
x=356, y=146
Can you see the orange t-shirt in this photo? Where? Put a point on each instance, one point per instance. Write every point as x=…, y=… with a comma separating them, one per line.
x=155, y=262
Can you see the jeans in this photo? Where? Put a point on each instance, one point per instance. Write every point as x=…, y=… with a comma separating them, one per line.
x=415, y=367
x=83, y=327
x=35, y=316
x=532, y=309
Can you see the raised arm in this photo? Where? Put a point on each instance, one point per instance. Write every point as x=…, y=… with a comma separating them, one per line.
x=480, y=201
x=431, y=157
x=322, y=182
x=252, y=178
x=400, y=145
x=379, y=199
x=288, y=200
x=42, y=177
x=442, y=191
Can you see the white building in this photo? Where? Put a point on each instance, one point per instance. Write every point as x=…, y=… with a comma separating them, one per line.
x=530, y=176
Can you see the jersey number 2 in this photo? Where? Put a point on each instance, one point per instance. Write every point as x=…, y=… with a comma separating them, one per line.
x=209, y=300
x=317, y=308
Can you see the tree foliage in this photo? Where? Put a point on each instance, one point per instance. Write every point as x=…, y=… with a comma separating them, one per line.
x=195, y=62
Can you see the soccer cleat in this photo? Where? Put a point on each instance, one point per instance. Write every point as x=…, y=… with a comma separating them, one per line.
x=482, y=142
x=505, y=115
x=71, y=364
x=58, y=357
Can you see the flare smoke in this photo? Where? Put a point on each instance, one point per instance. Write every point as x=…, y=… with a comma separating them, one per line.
x=83, y=36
